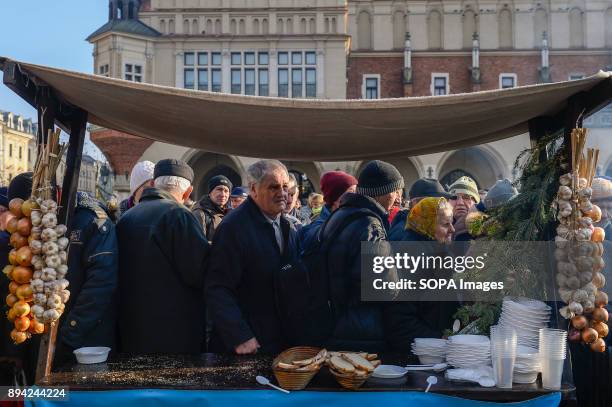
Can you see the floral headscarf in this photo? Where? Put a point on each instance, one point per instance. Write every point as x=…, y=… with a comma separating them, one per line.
x=424, y=216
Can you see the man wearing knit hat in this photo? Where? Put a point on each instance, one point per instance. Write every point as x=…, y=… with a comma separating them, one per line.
x=466, y=196
x=334, y=184
x=162, y=254
x=360, y=217
x=211, y=209
x=141, y=178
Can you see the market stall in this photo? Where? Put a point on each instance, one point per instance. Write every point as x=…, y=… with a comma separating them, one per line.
x=349, y=130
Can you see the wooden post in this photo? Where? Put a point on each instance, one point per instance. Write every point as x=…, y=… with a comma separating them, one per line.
x=78, y=125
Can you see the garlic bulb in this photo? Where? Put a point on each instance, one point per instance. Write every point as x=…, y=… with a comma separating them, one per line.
x=564, y=193
x=582, y=183
x=63, y=257
x=49, y=220
x=580, y=296
x=575, y=307
x=48, y=234
x=54, y=301
x=589, y=306
x=36, y=218
x=48, y=274
x=36, y=246
x=37, y=274
x=561, y=279
x=585, y=193
x=53, y=261
x=63, y=242
x=565, y=294
x=61, y=230
x=50, y=248
x=573, y=283
x=38, y=311
x=62, y=270
x=37, y=285
x=599, y=280
x=586, y=206
x=560, y=242
x=63, y=283
x=48, y=206
x=566, y=313
x=560, y=255
x=51, y=315
x=65, y=294
x=40, y=299
x=565, y=179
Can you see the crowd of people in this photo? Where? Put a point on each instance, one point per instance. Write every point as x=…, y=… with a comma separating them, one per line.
x=175, y=276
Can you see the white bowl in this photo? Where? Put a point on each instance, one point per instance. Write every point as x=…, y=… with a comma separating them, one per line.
x=468, y=340
x=90, y=355
x=431, y=360
x=524, y=378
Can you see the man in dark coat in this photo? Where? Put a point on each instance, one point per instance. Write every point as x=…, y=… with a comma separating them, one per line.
x=361, y=217
x=211, y=209
x=249, y=248
x=90, y=315
x=162, y=253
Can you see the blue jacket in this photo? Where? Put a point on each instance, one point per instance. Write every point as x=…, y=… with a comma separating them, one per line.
x=90, y=315
x=308, y=233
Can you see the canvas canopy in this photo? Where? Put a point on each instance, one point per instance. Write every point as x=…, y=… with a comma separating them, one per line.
x=305, y=130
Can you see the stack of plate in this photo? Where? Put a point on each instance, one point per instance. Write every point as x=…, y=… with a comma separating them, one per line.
x=469, y=351
x=430, y=350
x=526, y=365
x=526, y=316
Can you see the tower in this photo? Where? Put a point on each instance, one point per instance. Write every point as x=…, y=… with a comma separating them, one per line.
x=123, y=9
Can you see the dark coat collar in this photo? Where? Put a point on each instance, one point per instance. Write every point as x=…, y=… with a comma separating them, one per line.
x=151, y=194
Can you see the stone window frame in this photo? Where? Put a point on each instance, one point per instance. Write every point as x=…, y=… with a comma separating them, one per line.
x=508, y=75
x=435, y=75
x=365, y=78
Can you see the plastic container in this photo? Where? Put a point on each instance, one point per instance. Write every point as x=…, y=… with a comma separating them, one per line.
x=552, y=370
x=431, y=360
x=91, y=355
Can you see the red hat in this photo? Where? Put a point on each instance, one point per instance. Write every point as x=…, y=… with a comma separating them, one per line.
x=334, y=184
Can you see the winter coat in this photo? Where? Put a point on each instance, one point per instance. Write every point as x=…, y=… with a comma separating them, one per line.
x=210, y=215
x=162, y=254
x=90, y=315
x=308, y=233
x=359, y=325
x=240, y=281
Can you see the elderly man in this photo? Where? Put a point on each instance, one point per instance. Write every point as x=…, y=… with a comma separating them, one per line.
x=238, y=196
x=162, y=251
x=212, y=207
x=250, y=245
x=293, y=214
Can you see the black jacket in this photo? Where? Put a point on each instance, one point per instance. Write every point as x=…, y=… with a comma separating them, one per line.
x=90, y=315
x=422, y=319
x=240, y=281
x=359, y=325
x=162, y=253
x=210, y=215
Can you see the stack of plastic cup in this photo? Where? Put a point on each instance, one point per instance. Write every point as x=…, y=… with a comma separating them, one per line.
x=503, y=355
x=553, y=350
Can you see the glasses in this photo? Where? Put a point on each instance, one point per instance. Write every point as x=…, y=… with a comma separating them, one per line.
x=462, y=197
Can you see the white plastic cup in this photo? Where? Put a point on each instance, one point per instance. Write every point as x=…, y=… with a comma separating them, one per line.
x=552, y=371
x=503, y=355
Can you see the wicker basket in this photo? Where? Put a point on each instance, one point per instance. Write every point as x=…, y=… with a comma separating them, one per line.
x=348, y=380
x=291, y=380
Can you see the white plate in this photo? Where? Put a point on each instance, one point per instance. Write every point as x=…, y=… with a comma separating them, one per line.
x=468, y=340
x=433, y=342
x=389, y=372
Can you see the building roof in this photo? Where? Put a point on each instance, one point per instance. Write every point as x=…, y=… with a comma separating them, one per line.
x=136, y=27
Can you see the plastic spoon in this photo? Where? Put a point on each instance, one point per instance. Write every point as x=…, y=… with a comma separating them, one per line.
x=430, y=381
x=262, y=380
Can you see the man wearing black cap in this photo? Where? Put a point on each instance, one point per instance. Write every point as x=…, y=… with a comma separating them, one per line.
x=212, y=207
x=162, y=253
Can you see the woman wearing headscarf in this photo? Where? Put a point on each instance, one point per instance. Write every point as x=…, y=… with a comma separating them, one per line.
x=430, y=221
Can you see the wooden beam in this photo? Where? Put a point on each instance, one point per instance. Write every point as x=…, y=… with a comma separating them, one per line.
x=78, y=126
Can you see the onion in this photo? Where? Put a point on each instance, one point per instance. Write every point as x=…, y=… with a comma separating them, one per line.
x=601, y=299
x=21, y=308
x=24, y=292
x=22, y=275
x=28, y=206
x=24, y=256
x=18, y=337
x=15, y=207
x=18, y=241
x=579, y=322
x=598, y=346
x=601, y=328
x=24, y=226
x=11, y=299
x=599, y=280
x=594, y=213
x=11, y=315
x=22, y=324
x=13, y=287
x=36, y=327
x=11, y=225
x=589, y=335
x=600, y=315
x=574, y=335
x=598, y=235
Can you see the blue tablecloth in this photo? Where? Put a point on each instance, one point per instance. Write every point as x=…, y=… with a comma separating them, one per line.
x=271, y=398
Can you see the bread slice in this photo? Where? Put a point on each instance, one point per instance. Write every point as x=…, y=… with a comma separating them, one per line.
x=376, y=363
x=341, y=365
x=358, y=361
x=371, y=356
x=360, y=373
x=304, y=362
x=286, y=366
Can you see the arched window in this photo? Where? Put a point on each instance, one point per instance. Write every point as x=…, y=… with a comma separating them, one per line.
x=469, y=28
x=256, y=26
x=289, y=24
x=171, y=26
x=218, y=26
x=209, y=26
x=195, y=27
x=162, y=26
x=540, y=25
x=609, y=28
x=364, y=31
x=241, y=27
x=434, y=29
x=575, y=28
x=265, y=26
x=327, y=25
x=399, y=29
x=233, y=27
x=313, y=26
x=303, y=26
x=505, y=29
x=334, y=27
x=280, y=26
x=120, y=10
x=186, y=27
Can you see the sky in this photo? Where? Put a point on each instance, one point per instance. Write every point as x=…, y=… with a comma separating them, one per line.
x=48, y=33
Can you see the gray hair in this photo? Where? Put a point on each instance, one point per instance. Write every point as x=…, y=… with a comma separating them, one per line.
x=292, y=180
x=257, y=171
x=172, y=184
